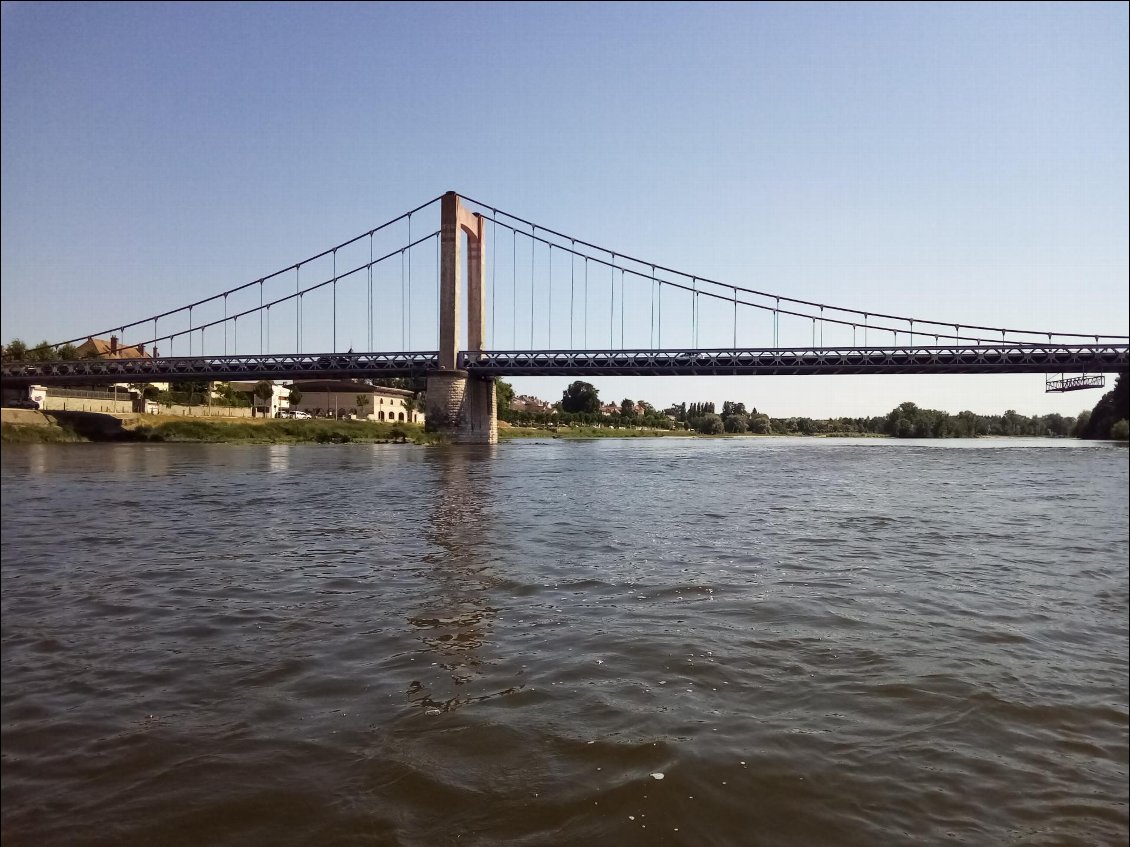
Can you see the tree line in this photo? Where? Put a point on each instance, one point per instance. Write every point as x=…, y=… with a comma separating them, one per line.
x=580, y=404
x=17, y=350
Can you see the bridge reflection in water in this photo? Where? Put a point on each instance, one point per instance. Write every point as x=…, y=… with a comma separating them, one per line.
x=455, y=621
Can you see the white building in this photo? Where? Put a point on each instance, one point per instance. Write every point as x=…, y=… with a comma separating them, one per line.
x=342, y=398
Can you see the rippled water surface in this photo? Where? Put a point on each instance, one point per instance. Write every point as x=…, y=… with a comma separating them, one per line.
x=810, y=641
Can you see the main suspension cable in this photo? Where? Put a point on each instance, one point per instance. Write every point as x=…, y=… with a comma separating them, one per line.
x=769, y=295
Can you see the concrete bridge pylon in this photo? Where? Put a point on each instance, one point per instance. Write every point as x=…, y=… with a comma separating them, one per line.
x=460, y=406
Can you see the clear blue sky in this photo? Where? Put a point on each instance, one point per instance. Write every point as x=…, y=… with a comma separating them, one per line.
x=955, y=162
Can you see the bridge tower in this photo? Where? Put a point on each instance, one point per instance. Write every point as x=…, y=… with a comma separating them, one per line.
x=460, y=406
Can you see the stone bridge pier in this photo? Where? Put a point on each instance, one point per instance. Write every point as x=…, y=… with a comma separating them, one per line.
x=460, y=406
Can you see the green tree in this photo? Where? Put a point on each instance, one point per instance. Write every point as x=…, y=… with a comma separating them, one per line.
x=1082, y=423
x=1120, y=430
x=580, y=397
x=1012, y=423
x=709, y=424
x=729, y=408
x=806, y=426
x=966, y=424
x=15, y=351
x=1111, y=408
x=678, y=412
x=189, y=392
x=904, y=412
x=295, y=397
x=145, y=390
x=264, y=391
x=226, y=395
x=1056, y=425
x=41, y=352
x=736, y=423
x=503, y=395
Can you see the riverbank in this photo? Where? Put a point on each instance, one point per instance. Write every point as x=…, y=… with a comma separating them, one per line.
x=19, y=426
x=27, y=427
x=508, y=433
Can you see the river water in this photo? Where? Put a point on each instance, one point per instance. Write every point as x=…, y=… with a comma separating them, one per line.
x=811, y=642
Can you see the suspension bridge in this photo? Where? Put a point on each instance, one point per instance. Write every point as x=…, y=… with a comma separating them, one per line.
x=551, y=305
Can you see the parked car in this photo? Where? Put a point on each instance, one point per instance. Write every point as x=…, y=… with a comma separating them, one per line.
x=294, y=413
x=22, y=404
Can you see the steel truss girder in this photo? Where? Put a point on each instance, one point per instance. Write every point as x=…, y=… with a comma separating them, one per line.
x=220, y=368
x=1025, y=358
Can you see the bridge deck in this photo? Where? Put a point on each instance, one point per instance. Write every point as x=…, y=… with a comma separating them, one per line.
x=1021, y=358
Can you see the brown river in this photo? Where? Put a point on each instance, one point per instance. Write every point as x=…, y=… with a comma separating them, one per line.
x=612, y=642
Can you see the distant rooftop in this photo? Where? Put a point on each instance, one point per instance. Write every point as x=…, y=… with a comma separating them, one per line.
x=102, y=348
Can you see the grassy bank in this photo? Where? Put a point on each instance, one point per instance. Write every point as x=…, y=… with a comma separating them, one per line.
x=506, y=433
x=213, y=431
x=281, y=432
x=17, y=434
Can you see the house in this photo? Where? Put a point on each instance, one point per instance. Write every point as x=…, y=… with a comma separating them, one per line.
x=529, y=403
x=343, y=398
x=101, y=348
